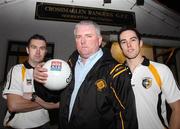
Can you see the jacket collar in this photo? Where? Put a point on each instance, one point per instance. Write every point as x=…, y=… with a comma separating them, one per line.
x=74, y=57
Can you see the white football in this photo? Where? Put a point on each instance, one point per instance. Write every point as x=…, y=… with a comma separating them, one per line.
x=59, y=74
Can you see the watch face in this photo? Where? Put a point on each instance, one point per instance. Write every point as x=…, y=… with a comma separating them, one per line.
x=33, y=97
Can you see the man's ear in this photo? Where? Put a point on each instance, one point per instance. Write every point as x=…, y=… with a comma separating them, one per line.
x=100, y=40
x=27, y=50
x=141, y=43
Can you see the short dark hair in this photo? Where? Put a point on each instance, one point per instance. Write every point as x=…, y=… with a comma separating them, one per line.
x=129, y=28
x=36, y=36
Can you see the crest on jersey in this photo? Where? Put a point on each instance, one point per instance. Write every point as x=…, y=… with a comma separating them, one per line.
x=147, y=82
x=100, y=84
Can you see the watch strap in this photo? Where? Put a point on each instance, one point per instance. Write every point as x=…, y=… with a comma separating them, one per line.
x=33, y=97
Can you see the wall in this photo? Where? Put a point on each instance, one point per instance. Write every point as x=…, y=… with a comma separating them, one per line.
x=18, y=23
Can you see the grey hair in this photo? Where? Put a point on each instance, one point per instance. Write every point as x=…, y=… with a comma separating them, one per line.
x=88, y=22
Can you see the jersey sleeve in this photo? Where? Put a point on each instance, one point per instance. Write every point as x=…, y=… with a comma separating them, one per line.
x=14, y=82
x=170, y=87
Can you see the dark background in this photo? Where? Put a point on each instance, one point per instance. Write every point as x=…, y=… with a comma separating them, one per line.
x=172, y=4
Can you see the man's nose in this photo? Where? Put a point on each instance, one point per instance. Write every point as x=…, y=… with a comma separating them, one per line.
x=128, y=44
x=38, y=50
x=83, y=40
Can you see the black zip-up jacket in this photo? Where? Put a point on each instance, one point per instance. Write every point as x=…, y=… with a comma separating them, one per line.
x=105, y=99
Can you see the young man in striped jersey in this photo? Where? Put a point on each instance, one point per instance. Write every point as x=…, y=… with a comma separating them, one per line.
x=26, y=109
x=153, y=84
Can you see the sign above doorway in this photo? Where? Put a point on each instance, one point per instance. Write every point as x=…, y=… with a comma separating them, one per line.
x=71, y=13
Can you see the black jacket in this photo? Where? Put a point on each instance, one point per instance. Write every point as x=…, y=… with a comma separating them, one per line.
x=105, y=99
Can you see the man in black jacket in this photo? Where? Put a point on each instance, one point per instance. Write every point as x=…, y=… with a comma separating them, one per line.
x=100, y=94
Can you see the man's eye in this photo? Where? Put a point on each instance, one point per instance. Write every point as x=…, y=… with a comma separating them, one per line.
x=77, y=37
x=133, y=40
x=89, y=36
x=122, y=42
x=43, y=48
x=33, y=47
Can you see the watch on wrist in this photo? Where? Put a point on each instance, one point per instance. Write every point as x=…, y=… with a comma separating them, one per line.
x=33, y=97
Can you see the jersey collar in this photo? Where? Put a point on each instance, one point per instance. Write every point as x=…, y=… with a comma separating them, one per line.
x=27, y=65
x=145, y=62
